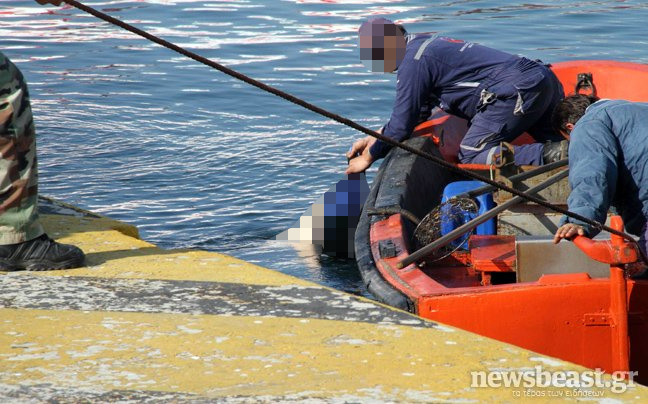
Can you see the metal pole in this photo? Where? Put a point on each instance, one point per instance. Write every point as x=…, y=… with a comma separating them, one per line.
x=619, y=307
x=517, y=177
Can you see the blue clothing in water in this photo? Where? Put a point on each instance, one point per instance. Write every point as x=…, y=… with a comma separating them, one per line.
x=502, y=95
x=608, y=164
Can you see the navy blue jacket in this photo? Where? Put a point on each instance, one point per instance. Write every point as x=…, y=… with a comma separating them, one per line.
x=440, y=71
x=608, y=163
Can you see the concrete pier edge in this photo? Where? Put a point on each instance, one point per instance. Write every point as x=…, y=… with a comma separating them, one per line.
x=144, y=324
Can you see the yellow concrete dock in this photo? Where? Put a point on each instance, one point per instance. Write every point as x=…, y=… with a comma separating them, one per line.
x=143, y=324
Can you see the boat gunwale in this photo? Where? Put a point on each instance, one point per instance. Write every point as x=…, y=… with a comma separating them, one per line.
x=364, y=242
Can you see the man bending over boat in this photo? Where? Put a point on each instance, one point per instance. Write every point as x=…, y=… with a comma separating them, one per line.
x=608, y=163
x=23, y=242
x=502, y=95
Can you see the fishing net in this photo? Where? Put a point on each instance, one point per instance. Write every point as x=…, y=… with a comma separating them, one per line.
x=442, y=220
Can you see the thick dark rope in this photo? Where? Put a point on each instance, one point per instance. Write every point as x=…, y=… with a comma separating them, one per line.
x=451, y=167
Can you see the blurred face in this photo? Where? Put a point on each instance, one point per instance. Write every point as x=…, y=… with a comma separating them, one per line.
x=382, y=46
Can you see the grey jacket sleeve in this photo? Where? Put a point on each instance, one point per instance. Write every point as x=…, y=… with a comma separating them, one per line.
x=593, y=170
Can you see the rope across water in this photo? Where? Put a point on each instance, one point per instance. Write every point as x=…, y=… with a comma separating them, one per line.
x=289, y=97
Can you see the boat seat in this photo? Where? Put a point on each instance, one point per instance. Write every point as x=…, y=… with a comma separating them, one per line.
x=492, y=253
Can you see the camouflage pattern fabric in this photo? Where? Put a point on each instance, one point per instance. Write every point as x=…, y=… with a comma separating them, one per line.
x=18, y=170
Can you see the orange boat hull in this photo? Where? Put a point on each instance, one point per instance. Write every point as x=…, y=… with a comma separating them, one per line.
x=569, y=316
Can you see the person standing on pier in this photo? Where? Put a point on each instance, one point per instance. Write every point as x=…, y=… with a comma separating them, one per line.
x=23, y=242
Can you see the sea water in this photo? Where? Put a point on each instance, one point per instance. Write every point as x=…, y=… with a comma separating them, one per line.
x=197, y=159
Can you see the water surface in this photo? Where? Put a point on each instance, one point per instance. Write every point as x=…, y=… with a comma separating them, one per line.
x=197, y=159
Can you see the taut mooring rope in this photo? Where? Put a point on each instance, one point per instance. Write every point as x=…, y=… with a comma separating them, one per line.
x=289, y=97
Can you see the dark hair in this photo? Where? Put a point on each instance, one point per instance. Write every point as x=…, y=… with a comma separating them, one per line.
x=401, y=29
x=570, y=110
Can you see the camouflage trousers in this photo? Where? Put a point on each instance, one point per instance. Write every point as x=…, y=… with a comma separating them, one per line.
x=18, y=170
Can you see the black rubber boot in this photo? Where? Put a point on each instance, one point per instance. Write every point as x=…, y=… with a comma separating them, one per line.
x=555, y=151
x=637, y=271
x=40, y=254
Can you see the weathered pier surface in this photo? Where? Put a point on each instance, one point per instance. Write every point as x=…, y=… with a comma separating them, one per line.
x=143, y=324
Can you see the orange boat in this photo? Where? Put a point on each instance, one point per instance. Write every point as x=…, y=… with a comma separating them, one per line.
x=571, y=301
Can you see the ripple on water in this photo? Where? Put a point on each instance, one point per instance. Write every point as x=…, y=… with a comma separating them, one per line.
x=195, y=158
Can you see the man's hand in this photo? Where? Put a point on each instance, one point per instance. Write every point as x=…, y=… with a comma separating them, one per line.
x=54, y=2
x=568, y=231
x=364, y=160
x=359, y=146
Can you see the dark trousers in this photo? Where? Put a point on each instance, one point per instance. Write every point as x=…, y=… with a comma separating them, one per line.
x=524, y=103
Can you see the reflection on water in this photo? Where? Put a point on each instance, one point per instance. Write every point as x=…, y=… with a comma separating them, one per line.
x=195, y=158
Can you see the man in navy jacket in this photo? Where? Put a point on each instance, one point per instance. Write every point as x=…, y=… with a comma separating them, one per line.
x=502, y=95
x=608, y=162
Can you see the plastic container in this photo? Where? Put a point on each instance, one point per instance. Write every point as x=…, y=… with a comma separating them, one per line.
x=449, y=222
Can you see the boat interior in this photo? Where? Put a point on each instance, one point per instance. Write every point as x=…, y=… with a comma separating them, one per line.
x=521, y=248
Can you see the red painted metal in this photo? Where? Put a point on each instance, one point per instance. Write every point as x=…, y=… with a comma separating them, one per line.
x=616, y=80
x=492, y=253
x=615, y=251
x=619, y=296
x=549, y=316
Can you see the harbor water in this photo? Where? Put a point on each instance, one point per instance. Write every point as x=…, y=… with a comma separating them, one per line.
x=197, y=159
